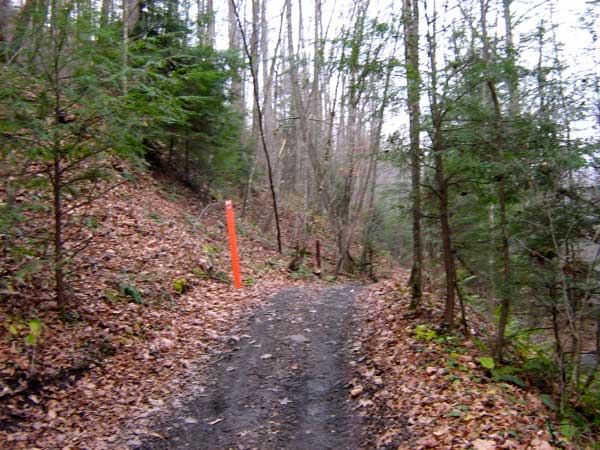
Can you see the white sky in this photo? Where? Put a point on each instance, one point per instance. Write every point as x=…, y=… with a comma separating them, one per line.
x=566, y=13
x=527, y=16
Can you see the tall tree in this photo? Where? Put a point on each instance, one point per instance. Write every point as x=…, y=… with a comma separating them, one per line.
x=511, y=58
x=65, y=124
x=439, y=146
x=5, y=13
x=254, y=74
x=410, y=17
x=506, y=291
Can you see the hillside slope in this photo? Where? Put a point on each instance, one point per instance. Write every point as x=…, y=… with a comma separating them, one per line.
x=151, y=298
x=424, y=390
x=152, y=306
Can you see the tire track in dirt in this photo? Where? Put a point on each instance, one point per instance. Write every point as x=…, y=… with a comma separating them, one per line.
x=284, y=386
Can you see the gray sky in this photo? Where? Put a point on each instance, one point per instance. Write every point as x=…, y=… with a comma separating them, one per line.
x=577, y=49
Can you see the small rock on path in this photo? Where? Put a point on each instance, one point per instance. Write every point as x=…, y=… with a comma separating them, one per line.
x=284, y=387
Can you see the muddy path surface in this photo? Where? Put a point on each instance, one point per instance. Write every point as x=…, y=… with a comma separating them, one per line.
x=284, y=385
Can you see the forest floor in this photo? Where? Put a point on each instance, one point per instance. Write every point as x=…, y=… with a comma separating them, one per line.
x=284, y=385
x=418, y=388
x=289, y=361
x=341, y=367
x=151, y=303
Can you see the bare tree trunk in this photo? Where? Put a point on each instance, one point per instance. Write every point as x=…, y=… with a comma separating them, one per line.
x=5, y=28
x=267, y=82
x=268, y=75
x=410, y=12
x=132, y=14
x=106, y=10
x=541, y=76
x=318, y=258
x=255, y=133
x=442, y=191
x=232, y=28
x=441, y=182
x=57, y=186
x=56, y=177
x=343, y=208
x=491, y=300
x=210, y=25
x=372, y=171
x=299, y=129
x=238, y=94
x=254, y=68
x=505, y=291
x=261, y=128
x=234, y=45
x=369, y=226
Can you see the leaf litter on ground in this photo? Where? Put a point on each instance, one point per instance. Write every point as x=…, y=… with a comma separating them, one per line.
x=412, y=398
x=143, y=319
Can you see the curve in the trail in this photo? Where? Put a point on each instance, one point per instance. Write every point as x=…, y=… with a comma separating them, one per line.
x=283, y=387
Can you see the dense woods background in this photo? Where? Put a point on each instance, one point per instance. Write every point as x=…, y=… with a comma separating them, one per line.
x=457, y=137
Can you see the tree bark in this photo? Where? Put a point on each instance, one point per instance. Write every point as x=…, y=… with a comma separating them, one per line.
x=299, y=129
x=410, y=12
x=254, y=68
x=438, y=148
x=59, y=277
x=5, y=24
x=444, y=215
x=210, y=25
x=125, y=30
x=105, y=12
x=261, y=129
x=234, y=45
x=56, y=177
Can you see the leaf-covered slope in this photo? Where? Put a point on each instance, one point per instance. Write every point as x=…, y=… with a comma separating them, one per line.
x=421, y=390
x=150, y=299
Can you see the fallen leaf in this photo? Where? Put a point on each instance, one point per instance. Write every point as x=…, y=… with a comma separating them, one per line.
x=364, y=403
x=441, y=431
x=425, y=420
x=428, y=441
x=539, y=444
x=483, y=444
x=216, y=421
x=357, y=391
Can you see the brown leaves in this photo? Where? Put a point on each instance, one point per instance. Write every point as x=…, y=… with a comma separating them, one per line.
x=114, y=363
x=483, y=444
x=358, y=390
x=428, y=396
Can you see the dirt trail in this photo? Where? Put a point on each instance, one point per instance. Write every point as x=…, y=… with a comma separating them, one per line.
x=283, y=386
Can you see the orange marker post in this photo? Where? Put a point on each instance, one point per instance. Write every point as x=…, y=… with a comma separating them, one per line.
x=235, y=262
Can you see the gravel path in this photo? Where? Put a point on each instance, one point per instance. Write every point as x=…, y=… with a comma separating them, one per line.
x=284, y=386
